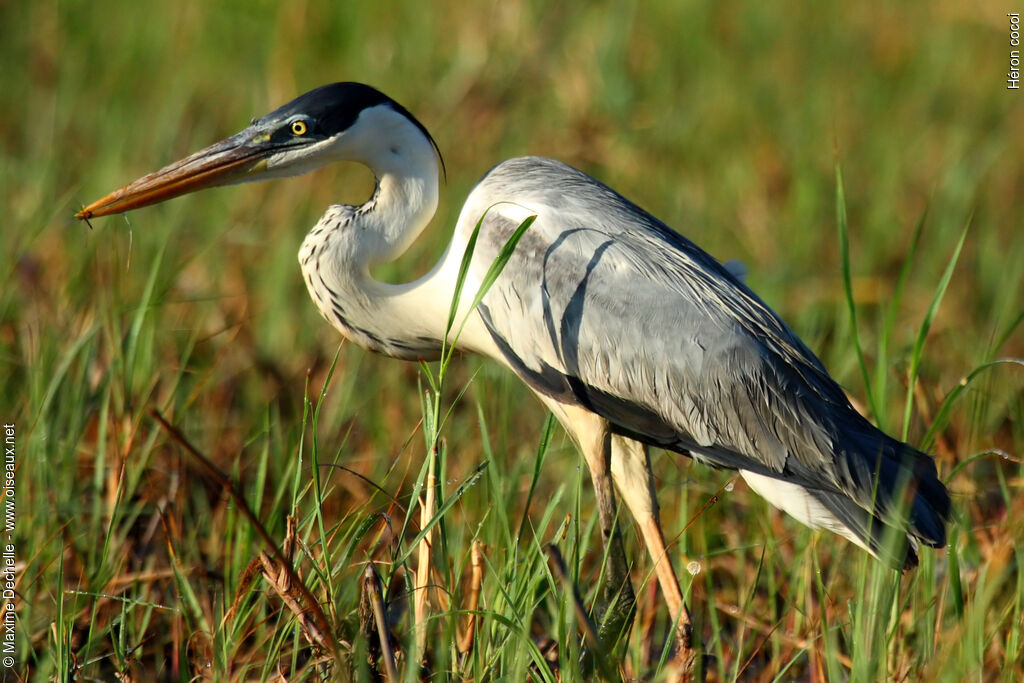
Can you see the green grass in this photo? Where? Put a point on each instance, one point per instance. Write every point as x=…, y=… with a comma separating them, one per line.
x=727, y=120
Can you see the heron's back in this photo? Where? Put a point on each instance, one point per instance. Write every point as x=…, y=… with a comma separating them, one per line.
x=604, y=306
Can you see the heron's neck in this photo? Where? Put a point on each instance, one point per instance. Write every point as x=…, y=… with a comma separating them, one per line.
x=402, y=205
x=338, y=253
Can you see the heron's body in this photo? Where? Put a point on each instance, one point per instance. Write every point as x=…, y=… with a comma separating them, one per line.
x=630, y=333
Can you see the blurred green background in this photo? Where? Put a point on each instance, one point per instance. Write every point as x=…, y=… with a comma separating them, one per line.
x=725, y=119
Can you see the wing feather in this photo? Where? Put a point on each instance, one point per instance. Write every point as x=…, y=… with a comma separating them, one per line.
x=603, y=305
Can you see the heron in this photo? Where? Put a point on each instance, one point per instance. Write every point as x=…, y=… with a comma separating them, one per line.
x=628, y=332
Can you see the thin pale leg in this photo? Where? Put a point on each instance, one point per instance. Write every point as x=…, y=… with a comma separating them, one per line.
x=594, y=439
x=631, y=470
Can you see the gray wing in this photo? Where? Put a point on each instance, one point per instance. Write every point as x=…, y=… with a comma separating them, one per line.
x=604, y=306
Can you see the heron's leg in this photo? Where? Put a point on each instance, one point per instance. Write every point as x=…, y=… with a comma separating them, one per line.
x=631, y=469
x=594, y=439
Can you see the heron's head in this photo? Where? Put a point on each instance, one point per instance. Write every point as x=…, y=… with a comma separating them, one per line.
x=337, y=122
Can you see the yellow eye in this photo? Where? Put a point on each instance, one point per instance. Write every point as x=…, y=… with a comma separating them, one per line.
x=299, y=127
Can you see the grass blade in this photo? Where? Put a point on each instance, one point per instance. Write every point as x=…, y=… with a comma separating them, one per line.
x=926, y=324
x=882, y=369
x=942, y=416
x=844, y=252
x=442, y=510
x=489, y=278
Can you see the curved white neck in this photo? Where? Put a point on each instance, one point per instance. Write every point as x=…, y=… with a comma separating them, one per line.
x=401, y=207
x=338, y=253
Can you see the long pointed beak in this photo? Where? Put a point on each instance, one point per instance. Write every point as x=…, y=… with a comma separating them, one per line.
x=229, y=161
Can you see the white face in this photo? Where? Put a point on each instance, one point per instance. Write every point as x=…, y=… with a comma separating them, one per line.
x=380, y=138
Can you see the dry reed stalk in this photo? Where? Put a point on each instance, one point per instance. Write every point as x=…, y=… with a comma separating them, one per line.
x=373, y=594
x=476, y=578
x=428, y=508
